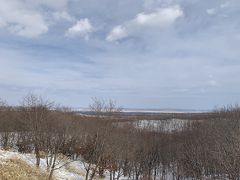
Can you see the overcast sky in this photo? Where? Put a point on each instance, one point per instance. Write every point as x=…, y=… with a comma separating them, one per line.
x=142, y=53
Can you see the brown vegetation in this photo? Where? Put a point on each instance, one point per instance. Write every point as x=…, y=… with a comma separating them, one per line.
x=207, y=148
x=13, y=169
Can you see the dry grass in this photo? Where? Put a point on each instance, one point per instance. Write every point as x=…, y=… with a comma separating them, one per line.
x=16, y=169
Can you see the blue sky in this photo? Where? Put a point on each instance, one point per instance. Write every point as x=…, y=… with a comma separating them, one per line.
x=142, y=53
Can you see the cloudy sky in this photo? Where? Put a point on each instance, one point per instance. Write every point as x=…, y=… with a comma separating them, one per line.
x=142, y=53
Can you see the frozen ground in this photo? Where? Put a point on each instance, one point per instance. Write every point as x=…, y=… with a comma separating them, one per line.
x=169, y=125
x=73, y=171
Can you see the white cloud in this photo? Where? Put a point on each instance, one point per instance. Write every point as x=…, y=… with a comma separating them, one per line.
x=117, y=32
x=211, y=11
x=82, y=28
x=160, y=18
x=20, y=20
x=29, y=18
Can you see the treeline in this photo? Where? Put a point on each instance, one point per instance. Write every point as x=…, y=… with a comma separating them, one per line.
x=204, y=149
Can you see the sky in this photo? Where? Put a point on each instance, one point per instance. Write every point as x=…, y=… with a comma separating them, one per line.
x=179, y=54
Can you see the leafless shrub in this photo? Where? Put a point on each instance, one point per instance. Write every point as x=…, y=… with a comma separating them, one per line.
x=208, y=147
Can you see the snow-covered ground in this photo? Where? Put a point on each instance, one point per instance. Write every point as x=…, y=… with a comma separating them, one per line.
x=74, y=171
x=162, y=125
x=168, y=125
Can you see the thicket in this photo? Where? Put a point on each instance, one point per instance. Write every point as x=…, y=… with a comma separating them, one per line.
x=206, y=148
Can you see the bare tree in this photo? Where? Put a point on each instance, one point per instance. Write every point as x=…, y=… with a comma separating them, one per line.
x=7, y=134
x=104, y=107
x=35, y=113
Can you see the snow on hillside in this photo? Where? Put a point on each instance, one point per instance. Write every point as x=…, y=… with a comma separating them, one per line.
x=73, y=171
